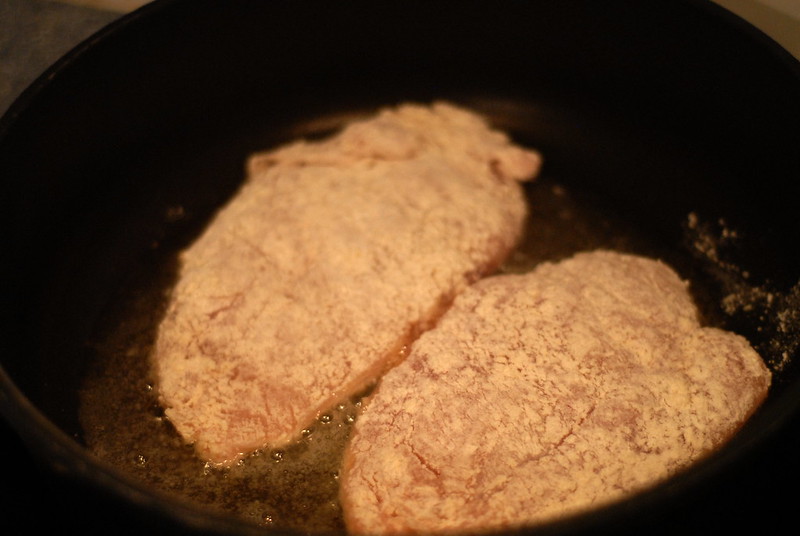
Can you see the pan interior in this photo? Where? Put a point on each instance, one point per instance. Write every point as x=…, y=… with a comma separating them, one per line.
x=117, y=416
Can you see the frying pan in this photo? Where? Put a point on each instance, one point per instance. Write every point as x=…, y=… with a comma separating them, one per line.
x=672, y=120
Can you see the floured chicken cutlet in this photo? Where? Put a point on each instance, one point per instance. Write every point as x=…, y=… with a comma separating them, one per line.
x=308, y=284
x=543, y=394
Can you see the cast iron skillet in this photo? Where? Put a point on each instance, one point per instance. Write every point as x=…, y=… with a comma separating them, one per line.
x=657, y=112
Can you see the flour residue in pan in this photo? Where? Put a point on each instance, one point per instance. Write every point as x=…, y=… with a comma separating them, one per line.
x=772, y=315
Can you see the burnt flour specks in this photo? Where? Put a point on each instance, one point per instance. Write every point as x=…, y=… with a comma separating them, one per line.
x=541, y=394
x=333, y=256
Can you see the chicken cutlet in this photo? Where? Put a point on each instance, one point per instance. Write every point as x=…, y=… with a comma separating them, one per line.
x=333, y=255
x=543, y=394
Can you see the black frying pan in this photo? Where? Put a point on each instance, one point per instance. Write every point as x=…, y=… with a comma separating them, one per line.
x=672, y=125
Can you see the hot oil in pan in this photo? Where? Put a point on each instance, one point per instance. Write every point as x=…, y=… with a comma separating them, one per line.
x=292, y=487
x=295, y=487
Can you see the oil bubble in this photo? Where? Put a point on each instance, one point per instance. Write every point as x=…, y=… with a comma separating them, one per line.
x=207, y=468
